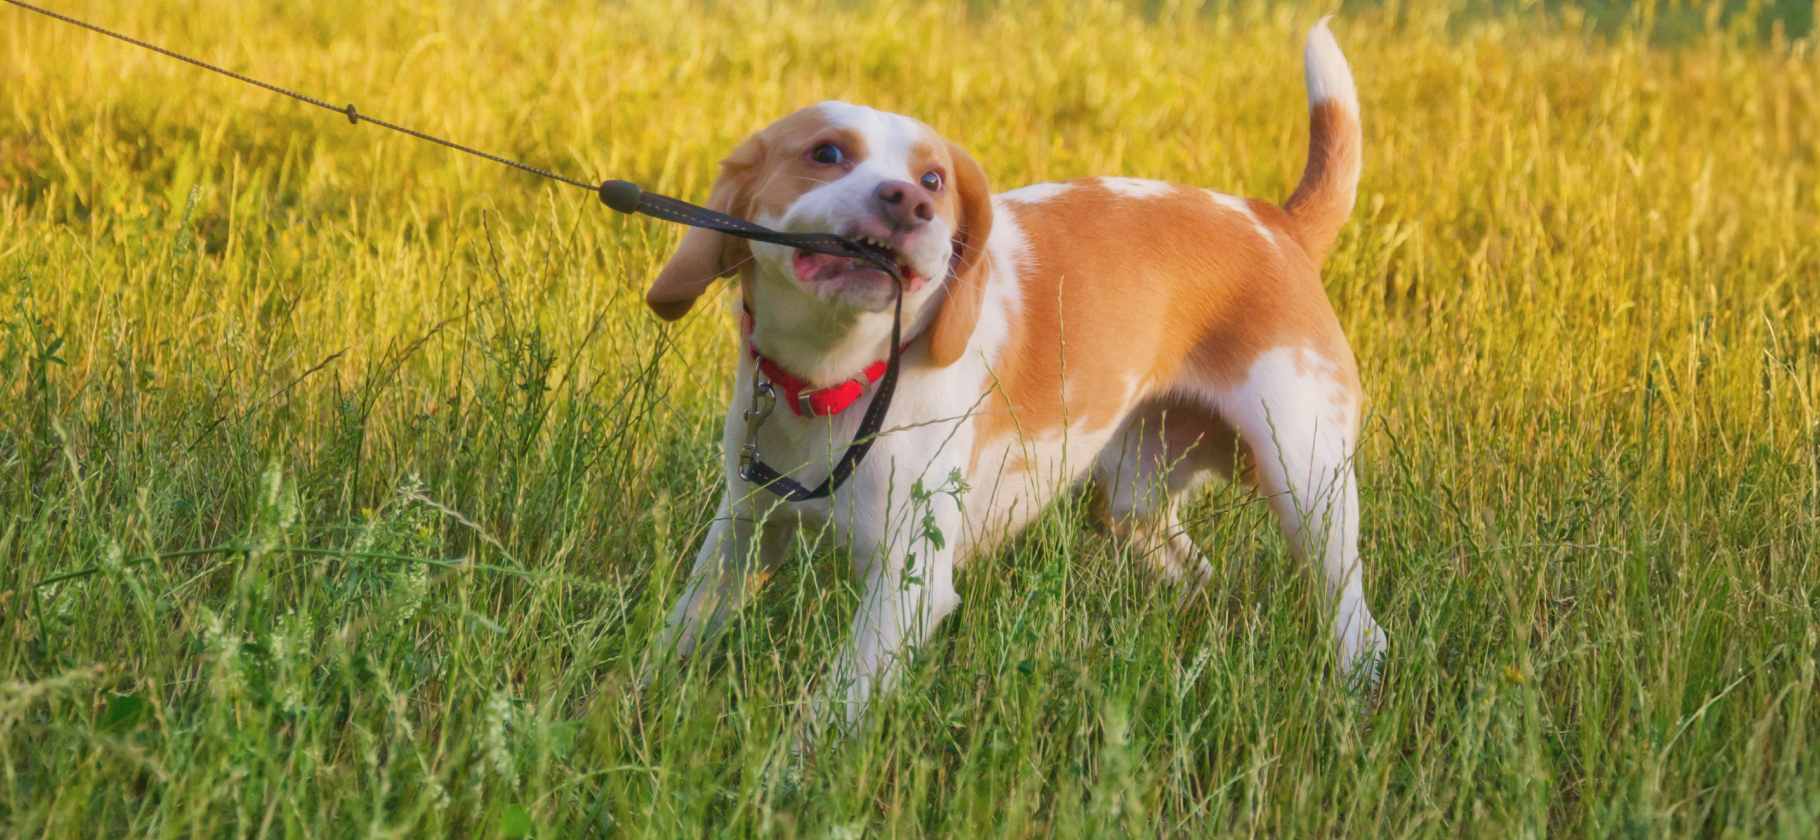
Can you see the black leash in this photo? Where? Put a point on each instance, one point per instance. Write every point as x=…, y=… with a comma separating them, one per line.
x=758, y=472
x=627, y=198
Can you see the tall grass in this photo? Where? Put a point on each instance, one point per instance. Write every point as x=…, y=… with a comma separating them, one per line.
x=1583, y=283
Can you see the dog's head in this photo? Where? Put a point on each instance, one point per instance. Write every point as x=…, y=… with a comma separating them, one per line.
x=886, y=180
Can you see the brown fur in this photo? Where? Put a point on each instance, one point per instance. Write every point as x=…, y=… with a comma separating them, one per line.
x=966, y=289
x=1145, y=290
x=705, y=255
x=1324, y=198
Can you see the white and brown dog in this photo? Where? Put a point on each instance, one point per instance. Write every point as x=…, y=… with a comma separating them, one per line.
x=1137, y=331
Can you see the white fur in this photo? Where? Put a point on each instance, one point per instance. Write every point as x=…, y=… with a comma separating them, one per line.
x=1136, y=187
x=1242, y=207
x=1302, y=425
x=1326, y=71
x=1036, y=192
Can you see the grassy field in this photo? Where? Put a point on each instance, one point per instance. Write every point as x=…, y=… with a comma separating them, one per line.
x=424, y=474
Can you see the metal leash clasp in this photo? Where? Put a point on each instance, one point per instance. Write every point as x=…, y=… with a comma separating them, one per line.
x=764, y=401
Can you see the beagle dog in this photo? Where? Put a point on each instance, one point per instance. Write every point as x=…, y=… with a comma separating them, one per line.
x=1140, y=334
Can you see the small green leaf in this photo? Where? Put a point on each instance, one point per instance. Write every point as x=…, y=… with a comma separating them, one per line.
x=124, y=713
x=515, y=822
x=562, y=737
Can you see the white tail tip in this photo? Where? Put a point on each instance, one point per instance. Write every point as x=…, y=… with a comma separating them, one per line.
x=1329, y=76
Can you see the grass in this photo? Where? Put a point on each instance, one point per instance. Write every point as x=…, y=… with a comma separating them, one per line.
x=458, y=469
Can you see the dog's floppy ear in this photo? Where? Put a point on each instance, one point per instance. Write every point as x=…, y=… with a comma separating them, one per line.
x=704, y=255
x=966, y=289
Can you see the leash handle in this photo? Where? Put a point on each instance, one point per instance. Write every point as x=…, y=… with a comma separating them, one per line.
x=628, y=198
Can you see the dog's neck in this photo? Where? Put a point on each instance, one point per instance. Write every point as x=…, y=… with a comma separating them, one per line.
x=820, y=342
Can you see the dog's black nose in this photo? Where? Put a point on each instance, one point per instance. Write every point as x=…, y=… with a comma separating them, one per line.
x=905, y=205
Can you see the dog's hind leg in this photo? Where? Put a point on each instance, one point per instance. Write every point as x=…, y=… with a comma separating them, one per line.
x=1165, y=448
x=1297, y=410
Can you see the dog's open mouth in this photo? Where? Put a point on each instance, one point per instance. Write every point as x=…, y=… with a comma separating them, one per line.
x=821, y=268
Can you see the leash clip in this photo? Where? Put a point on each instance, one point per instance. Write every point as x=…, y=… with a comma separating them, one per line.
x=764, y=401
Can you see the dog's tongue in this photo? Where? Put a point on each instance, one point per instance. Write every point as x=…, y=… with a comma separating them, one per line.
x=811, y=267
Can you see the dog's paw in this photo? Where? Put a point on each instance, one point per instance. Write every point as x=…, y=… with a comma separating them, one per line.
x=1363, y=670
x=785, y=774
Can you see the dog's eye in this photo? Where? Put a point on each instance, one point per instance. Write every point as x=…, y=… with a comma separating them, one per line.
x=827, y=153
x=932, y=181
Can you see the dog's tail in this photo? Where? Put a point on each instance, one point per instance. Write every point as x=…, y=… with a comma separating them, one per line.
x=1329, y=185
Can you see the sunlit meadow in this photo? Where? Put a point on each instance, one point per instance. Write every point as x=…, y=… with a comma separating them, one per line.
x=417, y=475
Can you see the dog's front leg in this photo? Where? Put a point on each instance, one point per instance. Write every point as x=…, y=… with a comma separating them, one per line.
x=744, y=547
x=908, y=569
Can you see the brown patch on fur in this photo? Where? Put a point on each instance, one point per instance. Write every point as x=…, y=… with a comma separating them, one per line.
x=966, y=285
x=704, y=255
x=766, y=174
x=788, y=172
x=1329, y=186
x=1121, y=292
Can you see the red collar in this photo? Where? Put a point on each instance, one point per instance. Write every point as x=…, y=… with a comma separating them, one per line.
x=822, y=402
x=806, y=401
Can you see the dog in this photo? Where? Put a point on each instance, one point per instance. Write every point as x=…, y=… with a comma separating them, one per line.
x=1136, y=333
